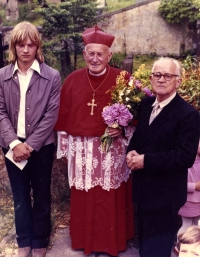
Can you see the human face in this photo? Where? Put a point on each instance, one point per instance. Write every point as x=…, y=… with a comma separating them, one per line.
x=26, y=52
x=163, y=88
x=189, y=250
x=97, y=57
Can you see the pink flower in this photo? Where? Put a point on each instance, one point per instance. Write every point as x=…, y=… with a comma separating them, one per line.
x=117, y=113
x=138, y=84
x=147, y=91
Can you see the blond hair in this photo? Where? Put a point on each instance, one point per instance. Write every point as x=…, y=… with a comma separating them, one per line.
x=21, y=32
x=191, y=236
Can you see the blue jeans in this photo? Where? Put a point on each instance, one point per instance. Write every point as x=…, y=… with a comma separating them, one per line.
x=32, y=214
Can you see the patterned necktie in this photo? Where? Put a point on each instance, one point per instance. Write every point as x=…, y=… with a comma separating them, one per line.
x=154, y=112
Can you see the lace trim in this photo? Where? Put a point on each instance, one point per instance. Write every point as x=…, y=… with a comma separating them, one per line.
x=89, y=166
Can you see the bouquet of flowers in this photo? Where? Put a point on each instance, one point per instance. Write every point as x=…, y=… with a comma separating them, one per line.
x=130, y=92
x=125, y=100
x=115, y=116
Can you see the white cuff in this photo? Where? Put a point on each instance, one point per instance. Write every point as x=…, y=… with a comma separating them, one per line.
x=61, y=133
x=14, y=143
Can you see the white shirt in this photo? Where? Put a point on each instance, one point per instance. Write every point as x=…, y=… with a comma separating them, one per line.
x=163, y=103
x=24, y=80
x=99, y=74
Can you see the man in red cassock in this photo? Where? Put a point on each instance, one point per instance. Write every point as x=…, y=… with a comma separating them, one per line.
x=101, y=211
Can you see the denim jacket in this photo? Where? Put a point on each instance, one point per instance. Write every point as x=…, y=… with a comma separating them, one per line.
x=41, y=107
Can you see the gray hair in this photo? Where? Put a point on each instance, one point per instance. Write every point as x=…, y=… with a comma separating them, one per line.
x=105, y=45
x=177, y=64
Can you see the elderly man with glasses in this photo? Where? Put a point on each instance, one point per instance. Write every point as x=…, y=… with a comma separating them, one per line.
x=161, y=150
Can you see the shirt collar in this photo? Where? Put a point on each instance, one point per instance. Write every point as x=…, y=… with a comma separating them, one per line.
x=35, y=66
x=165, y=102
x=99, y=74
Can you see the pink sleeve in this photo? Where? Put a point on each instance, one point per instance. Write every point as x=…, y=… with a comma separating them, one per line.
x=191, y=187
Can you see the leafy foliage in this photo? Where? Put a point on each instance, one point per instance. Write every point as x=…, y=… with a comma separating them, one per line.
x=113, y=5
x=64, y=24
x=71, y=17
x=190, y=87
x=117, y=59
x=148, y=59
x=143, y=74
x=177, y=11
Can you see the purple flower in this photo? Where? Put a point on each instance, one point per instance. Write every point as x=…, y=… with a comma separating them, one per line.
x=147, y=91
x=108, y=115
x=117, y=113
x=138, y=84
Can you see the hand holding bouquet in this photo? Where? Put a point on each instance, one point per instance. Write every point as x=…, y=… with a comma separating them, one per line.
x=126, y=96
x=115, y=116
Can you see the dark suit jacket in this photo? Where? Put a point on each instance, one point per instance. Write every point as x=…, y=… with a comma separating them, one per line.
x=170, y=145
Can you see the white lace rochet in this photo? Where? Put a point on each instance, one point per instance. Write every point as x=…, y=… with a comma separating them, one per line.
x=88, y=166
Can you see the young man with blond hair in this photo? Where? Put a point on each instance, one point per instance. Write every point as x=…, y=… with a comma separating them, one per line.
x=29, y=103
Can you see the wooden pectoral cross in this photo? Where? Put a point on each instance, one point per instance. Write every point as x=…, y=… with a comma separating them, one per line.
x=92, y=104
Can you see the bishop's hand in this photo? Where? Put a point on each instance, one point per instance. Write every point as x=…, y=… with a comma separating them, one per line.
x=114, y=132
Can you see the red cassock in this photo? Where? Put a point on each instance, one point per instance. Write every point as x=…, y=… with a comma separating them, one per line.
x=100, y=220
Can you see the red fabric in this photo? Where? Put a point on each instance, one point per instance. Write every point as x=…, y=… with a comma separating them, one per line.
x=100, y=220
x=74, y=115
x=97, y=36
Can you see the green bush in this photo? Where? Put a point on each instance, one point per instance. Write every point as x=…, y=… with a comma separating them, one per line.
x=113, y=5
x=27, y=13
x=190, y=87
x=117, y=59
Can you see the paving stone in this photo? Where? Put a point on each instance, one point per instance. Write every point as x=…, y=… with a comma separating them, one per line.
x=61, y=247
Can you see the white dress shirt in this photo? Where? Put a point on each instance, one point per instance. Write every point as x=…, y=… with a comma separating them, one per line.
x=24, y=80
x=161, y=104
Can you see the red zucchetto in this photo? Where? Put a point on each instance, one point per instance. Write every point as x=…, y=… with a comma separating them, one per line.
x=97, y=36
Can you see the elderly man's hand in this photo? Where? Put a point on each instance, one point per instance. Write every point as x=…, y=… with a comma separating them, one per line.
x=134, y=160
x=114, y=132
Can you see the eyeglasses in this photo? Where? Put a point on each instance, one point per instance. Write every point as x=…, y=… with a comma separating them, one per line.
x=166, y=76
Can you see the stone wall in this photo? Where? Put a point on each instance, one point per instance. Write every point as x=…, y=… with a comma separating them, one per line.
x=139, y=29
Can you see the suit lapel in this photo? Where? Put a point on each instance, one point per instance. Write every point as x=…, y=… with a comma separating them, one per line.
x=160, y=119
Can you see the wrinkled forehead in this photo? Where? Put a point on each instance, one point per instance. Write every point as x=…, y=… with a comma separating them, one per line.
x=164, y=66
x=96, y=48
